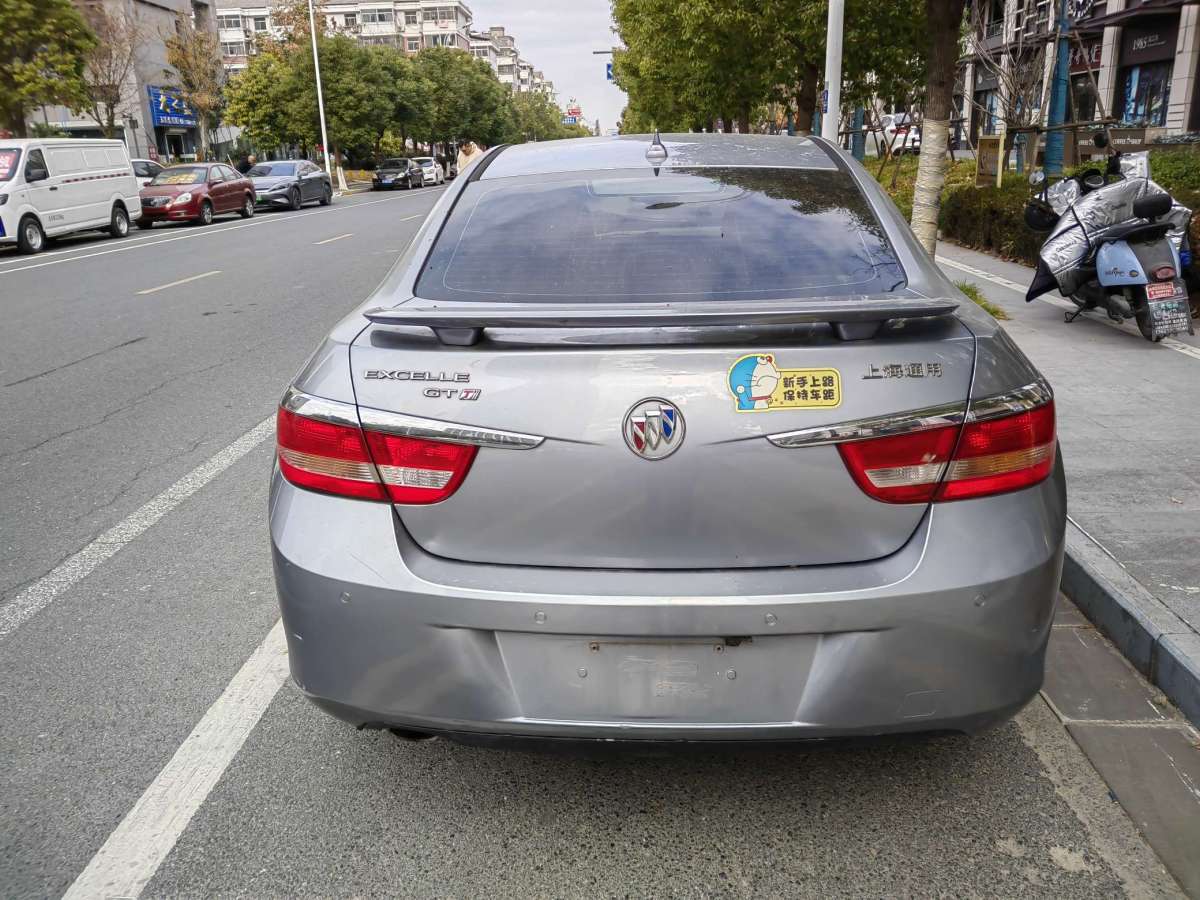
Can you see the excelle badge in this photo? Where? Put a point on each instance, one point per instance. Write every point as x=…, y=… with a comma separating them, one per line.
x=758, y=385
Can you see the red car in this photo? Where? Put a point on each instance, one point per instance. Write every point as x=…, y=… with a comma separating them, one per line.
x=196, y=192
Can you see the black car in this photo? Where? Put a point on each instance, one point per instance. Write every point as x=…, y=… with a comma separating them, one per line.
x=397, y=172
x=290, y=183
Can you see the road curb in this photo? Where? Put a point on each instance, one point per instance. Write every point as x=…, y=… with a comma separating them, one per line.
x=1155, y=640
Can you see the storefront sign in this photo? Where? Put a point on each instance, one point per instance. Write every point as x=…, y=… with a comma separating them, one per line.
x=1128, y=140
x=1085, y=57
x=168, y=108
x=987, y=160
x=1150, y=42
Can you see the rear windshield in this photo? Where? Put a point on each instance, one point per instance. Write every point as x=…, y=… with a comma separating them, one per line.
x=424, y=161
x=394, y=164
x=181, y=175
x=265, y=169
x=691, y=234
x=8, y=163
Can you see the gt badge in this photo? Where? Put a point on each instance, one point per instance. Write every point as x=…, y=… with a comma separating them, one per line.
x=653, y=428
x=758, y=385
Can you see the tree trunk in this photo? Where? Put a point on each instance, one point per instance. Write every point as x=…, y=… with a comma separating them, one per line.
x=12, y=118
x=943, y=19
x=806, y=99
x=744, y=120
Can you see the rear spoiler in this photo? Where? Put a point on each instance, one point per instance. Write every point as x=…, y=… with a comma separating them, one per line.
x=852, y=318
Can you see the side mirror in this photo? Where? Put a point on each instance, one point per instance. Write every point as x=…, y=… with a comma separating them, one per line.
x=1037, y=177
x=1100, y=139
x=36, y=174
x=1152, y=206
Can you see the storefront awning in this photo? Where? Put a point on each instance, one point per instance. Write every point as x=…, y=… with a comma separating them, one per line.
x=1150, y=7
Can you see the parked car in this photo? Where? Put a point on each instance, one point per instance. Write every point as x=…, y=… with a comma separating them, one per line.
x=52, y=187
x=290, y=183
x=196, y=192
x=900, y=132
x=720, y=455
x=431, y=170
x=145, y=170
x=397, y=172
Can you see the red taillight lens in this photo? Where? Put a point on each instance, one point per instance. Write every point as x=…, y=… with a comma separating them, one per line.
x=419, y=471
x=345, y=460
x=991, y=457
x=322, y=456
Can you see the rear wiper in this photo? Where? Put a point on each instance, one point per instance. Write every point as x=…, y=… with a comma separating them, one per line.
x=852, y=318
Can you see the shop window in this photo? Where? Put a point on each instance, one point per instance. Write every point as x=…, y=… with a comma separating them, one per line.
x=1145, y=91
x=1082, y=99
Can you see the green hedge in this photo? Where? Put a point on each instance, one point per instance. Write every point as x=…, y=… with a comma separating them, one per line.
x=992, y=219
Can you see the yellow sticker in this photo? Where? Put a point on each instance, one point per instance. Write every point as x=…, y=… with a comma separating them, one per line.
x=758, y=385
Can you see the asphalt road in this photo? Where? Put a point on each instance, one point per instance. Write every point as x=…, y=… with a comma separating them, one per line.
x=134, y=380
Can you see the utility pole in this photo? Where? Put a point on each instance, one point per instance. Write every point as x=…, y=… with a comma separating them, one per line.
x=1058, y=93
x=831, y=108
x=312, y=29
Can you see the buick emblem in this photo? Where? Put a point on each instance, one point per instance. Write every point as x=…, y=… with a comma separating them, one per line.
x=653, y=428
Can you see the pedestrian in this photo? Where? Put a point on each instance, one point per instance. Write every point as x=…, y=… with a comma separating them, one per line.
x=467, y=154
x=247, y=163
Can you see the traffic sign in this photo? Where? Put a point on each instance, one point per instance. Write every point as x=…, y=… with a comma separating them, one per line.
x=570, y=120
x=608, y=71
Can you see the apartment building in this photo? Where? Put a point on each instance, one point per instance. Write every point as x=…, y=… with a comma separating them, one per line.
x=155, y=121
x=500, y=51
x=1143, y=56
x=410, y=25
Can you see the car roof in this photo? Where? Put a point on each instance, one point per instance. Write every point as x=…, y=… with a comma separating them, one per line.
x=628, y=151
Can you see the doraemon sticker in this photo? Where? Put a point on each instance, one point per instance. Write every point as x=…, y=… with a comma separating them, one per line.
x=759, y=385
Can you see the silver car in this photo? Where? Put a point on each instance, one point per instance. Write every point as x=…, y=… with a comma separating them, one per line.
x=678, y=439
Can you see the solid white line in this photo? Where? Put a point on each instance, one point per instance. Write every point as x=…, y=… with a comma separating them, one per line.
x=163, y=287
x=78, y=566
x=207, y=232
x=139, y=844
x=332, y=239
x=1170, y=343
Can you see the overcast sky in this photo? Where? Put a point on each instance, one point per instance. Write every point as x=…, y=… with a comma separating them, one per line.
x=558, y=37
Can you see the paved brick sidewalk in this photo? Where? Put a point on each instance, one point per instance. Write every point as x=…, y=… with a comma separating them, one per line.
x=1129, y=425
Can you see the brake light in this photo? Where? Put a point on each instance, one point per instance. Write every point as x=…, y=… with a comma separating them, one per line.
x=1164, y=273
x=989, y=457
x=343, y=459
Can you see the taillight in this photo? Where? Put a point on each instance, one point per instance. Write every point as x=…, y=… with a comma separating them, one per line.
x=989, y=457
x=343, y=459
x=1164, y=273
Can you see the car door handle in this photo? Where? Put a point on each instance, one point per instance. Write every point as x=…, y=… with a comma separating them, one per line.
x=54, y=187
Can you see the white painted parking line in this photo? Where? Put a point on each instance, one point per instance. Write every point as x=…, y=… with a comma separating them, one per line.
x=139, y=844
x=79, y=565
x=163, y=287
x=128, y=244
x=332, y=239
x=1170, y=343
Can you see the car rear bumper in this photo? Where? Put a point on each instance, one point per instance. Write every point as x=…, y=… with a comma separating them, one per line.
x=949, y=633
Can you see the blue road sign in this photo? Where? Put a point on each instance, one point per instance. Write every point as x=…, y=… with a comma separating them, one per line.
x=570, y=120
x=608, y=71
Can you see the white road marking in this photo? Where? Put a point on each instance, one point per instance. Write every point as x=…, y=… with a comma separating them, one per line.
x=332, y=239
x=127, y=244
x=139, y=844
x=163, y=287
x=79, y=565
x=1170, y=343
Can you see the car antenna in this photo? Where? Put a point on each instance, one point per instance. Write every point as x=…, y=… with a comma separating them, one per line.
x=656, y=154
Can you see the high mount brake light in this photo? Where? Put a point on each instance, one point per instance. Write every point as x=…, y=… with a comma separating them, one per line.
x=343, y=459
x=990, y=457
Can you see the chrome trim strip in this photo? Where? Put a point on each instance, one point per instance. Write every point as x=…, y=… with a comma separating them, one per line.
x=873, y=427
x=449, y=432
x=1010, y=402
x=319, y=408
x=981, y=410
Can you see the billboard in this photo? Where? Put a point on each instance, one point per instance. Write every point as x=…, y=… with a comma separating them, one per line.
x=170, y=109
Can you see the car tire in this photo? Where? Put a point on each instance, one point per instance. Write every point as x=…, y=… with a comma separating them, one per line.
x=247, y=210
x=30, y=236
x=144, y=224
x=294, y=201
x=326, y=194
x=118, y=225
x=206, y=213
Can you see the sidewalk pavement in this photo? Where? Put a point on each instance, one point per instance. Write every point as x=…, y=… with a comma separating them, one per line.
x=1129, y=428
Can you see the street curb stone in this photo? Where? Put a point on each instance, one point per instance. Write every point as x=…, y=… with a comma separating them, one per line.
x=1157, y=642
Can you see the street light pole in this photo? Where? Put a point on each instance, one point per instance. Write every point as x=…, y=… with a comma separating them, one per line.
x=831, y=109
x=312, y=28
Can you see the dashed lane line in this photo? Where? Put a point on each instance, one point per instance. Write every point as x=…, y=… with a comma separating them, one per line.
x=1170, y=343
x=163, y=287
x=340, y=237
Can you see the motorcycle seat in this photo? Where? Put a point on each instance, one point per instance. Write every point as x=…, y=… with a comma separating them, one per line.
x=1129, y=231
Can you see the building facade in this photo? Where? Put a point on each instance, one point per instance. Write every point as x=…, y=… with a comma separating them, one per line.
x=1137, y=61
x=154, y=120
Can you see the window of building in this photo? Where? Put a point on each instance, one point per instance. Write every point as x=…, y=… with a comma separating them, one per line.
x=351, y=20
x=228, y=21
x=414, y=44
x=233, y=48
x=442, y=40
x=1145, y=91
x=379, y=40
x=1082, y=99
x=412, y=17
x=986, y=118
x=377, y=16
x=260, y=23
x=445, y=13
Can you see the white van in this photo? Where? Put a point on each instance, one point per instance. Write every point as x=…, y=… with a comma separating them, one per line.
x=54, y=186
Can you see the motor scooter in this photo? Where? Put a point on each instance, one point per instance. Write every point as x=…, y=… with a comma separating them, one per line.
x=1116, y=241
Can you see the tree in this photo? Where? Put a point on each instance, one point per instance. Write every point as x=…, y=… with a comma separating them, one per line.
x=109, y=66
x=43, y=44
x=258, y=99
x=199, y=75
x=537, y=118
x=466, y=101
x=943, y=22
x=406, y=94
